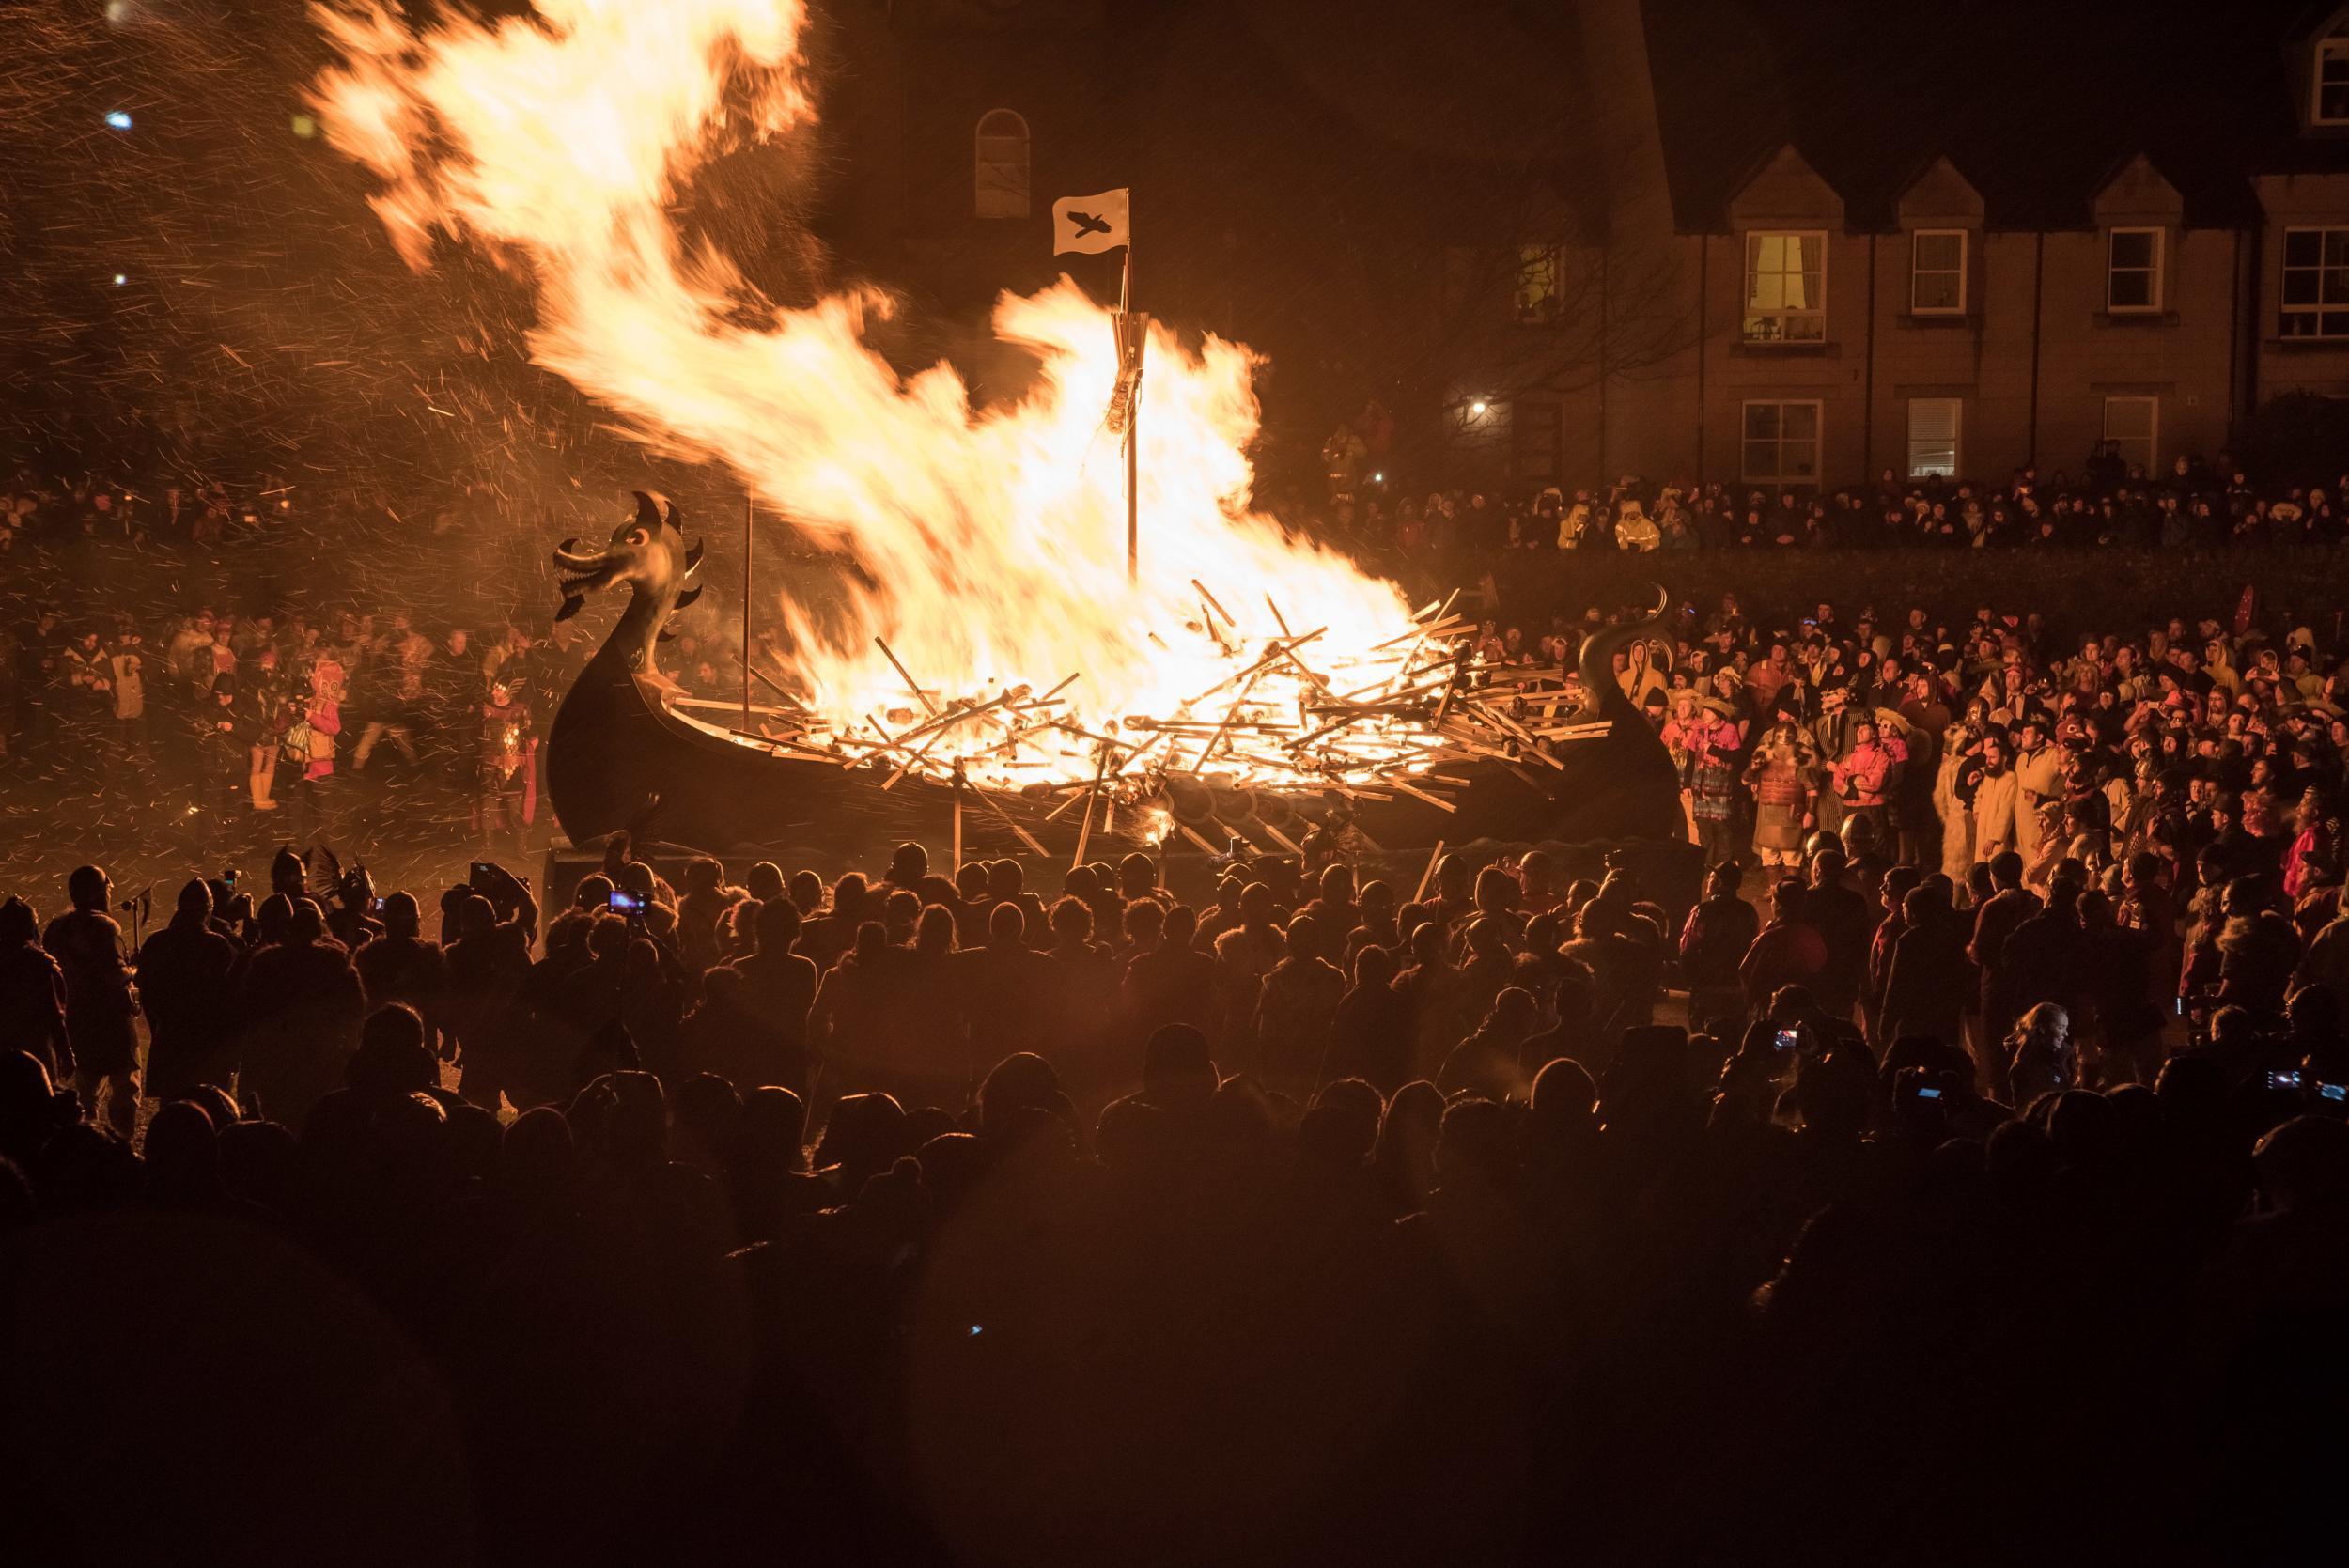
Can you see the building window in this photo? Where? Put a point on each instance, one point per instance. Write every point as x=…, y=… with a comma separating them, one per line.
x=1781, y=444
x=2316, y=282
x=1541, y=283
x=2332, y=82
x=1933, y=436
x=2133, y=424
x=1785, y=288
x=1937, y=273
x=1003, y=165
x=2133, y=269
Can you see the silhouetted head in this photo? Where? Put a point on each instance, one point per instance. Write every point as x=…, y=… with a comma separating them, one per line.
x=1176, y=1067
x=402, y=917
x=807, y=891
x=393, y=1058
x=1072, y=920
x=773, y=1128
x=87, y=888
x=778, y=925
x=934, y=932
x=195, y=901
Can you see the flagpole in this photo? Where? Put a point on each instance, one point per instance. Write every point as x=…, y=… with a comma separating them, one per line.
x=750, y=506
x=1133, y=415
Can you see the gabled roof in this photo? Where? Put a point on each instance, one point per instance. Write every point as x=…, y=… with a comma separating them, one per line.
x=2037, y=104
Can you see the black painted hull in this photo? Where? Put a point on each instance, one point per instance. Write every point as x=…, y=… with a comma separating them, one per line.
x=614, y=759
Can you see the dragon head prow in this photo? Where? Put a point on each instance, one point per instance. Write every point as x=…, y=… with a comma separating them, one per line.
x=646, y=550
x=648, y=553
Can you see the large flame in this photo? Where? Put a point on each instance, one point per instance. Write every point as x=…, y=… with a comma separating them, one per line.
x=996, y=540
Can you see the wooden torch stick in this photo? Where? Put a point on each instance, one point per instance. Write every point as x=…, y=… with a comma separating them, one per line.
x=1429, y=875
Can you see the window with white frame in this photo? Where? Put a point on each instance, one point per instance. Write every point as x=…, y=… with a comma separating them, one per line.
x=2133, y=269
x=1541, y=283
x=2331, y=105
x=1937, y=273
x=1781, y=444
x=2315, y=282
x=1786, y=288
x=2133, y=424
x=1002, y=186
x=1933, y=425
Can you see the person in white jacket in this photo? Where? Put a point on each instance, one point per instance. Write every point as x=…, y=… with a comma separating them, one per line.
x=2039, y=783
x=1994, y=809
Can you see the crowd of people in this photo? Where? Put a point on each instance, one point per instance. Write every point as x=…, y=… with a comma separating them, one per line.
x=1967, y=1167
x=186, y=655
x=1316, y=1223
x=2193, y=505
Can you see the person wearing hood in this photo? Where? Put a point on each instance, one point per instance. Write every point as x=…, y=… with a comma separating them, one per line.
x=32, y=992
x=190, y=1005
x=302, y=1009
x=1573, y=522
x=100, y=1003
x=1634, y=529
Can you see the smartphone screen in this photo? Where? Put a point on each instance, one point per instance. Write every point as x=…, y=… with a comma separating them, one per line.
x=1787, y=1037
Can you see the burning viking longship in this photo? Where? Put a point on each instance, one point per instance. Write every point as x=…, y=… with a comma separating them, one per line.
x=1464, y=754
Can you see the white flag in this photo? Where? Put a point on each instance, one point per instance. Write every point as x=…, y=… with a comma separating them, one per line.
x=1090, y=224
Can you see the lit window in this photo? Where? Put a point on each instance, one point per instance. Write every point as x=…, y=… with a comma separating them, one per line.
x=2316, y=282
x=2133, y=424
x=1937, y=273
x=1003, y=165
x=2133, y=269
x=1785, y=288
x=1541, y=281
x=2332, y=82
x=1932, y=431
x=1781, y=444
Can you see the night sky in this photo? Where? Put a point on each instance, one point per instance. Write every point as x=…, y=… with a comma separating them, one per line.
x=1305, y=161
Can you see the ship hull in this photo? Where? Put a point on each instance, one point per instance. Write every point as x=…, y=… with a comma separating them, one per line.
x=616, y=759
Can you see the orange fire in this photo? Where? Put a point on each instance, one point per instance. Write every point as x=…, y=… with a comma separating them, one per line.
x=561, y=143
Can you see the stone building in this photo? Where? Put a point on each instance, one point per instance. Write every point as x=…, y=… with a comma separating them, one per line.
x=1895, y=285
x=1692, y=244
